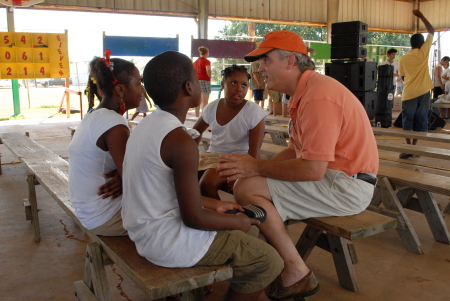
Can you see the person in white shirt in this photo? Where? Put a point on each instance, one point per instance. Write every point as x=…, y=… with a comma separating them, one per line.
x=97, y=149
x=171, y=224
x=390, y=61
x=237, y=126
x=440, y=77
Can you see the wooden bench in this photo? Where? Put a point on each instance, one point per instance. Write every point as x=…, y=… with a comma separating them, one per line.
x=432, y=152
x=270, y=120
x=49, y=170
x=397, y=132
x=411, y=183
x=331, y=234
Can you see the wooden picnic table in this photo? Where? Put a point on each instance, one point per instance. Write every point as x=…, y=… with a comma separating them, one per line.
x=397, y=132
x=440, y=105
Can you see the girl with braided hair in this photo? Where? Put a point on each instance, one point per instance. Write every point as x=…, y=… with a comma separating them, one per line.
x=97, y=149
x=237, y=126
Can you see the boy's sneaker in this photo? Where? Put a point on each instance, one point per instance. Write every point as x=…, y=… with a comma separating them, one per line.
x=252, y=211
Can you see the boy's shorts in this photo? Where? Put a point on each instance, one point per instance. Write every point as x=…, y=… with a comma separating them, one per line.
x=255, y=263
x=258, y=94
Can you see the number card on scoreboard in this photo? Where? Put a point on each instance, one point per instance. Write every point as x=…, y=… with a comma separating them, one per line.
x=34, y=55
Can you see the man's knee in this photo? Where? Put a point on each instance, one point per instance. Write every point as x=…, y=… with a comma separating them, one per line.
x=246, y=189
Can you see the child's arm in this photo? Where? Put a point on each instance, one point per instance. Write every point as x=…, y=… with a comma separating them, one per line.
x=200, y=126
x=180, y=152
x=255, y=139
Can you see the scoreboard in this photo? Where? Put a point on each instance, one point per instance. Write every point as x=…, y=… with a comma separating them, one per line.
x=34, y=55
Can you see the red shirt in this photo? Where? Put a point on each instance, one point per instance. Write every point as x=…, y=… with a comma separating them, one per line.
x=200, y=66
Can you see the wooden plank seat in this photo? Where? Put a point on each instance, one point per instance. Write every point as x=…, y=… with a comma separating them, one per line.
x=397, y=132
x=432, y=152
x=331, y=234
x=270, y=120
x=412, y=183
x=51, y=171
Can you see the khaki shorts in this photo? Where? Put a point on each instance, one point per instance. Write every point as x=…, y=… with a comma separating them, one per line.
x=255, y=263
x=335, y=195
x=208, y=160
x=113, y=227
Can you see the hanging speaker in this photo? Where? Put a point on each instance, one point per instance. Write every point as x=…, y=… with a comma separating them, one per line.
x=352, y=39
x=349, y=27
x=348, y=52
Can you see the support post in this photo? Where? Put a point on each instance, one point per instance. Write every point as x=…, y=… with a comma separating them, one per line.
x=203, y=19
x=332, y=16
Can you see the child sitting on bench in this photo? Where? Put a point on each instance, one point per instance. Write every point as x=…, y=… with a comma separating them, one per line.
x=164, y=213
x=237, y=126
x=98, y=147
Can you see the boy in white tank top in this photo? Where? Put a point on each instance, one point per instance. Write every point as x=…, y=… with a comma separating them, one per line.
x=165, y=215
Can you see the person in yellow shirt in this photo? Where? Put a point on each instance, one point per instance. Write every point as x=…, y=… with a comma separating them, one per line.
x=413, y=68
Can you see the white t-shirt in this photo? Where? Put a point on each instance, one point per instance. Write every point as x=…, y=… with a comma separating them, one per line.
x=233, y=136
x=152, y=215
x=87, y=165
x=395, y=64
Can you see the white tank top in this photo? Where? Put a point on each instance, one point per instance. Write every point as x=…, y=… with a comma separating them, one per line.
x=87, y=165
x=151, y=214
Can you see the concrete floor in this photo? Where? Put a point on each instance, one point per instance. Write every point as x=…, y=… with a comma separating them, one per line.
x=47, y=270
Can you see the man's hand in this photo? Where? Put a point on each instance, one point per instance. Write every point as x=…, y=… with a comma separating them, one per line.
x=224, y=206
x=237, y=166
x=112, y=188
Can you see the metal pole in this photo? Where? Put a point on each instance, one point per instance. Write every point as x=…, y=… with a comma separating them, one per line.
x=14, y=82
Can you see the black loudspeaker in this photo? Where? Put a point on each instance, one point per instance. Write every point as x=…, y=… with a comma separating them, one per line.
x=434, y=121
x=348, y=52
x=385, y=96
x=352, y=39
x=348, y=27
x=368, y=100
x=356, y=76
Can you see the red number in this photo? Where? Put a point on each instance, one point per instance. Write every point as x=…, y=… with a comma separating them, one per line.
x=39, y=40
x=9, y=71
x=7, y=55
x=25, y=69
x=42, y=70
x=24, y=56
x=5, y=38
x=23, y=40
x=40, y=54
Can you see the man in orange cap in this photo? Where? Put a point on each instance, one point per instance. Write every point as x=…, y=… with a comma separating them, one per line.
x=329, y=167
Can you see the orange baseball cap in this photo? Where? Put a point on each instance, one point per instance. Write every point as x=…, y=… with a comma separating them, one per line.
x=281, y=39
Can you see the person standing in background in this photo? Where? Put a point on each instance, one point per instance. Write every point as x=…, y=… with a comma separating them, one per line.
x=390, y=61
x=440, y=77
x=258, y=85
x=203, y=67
x=413, y=68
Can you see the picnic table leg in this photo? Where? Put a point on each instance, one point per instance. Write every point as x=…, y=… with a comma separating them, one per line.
x=343, y=262
x=33, y=205
x=194, y=295
x=434, y=216
x=404, y=228
x=95, y=274
x=278, y=138
x=308, y=241
x=447, y=208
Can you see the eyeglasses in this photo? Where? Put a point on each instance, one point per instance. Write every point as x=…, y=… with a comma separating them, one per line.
x=290, y=127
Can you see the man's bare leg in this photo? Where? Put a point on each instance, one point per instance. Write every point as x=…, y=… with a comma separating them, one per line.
x=255, y=191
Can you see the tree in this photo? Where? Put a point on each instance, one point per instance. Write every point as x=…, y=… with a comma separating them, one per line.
x=238, y=31
x=388, y=38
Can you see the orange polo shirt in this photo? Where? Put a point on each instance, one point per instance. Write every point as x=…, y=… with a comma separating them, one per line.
x=331, y=125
